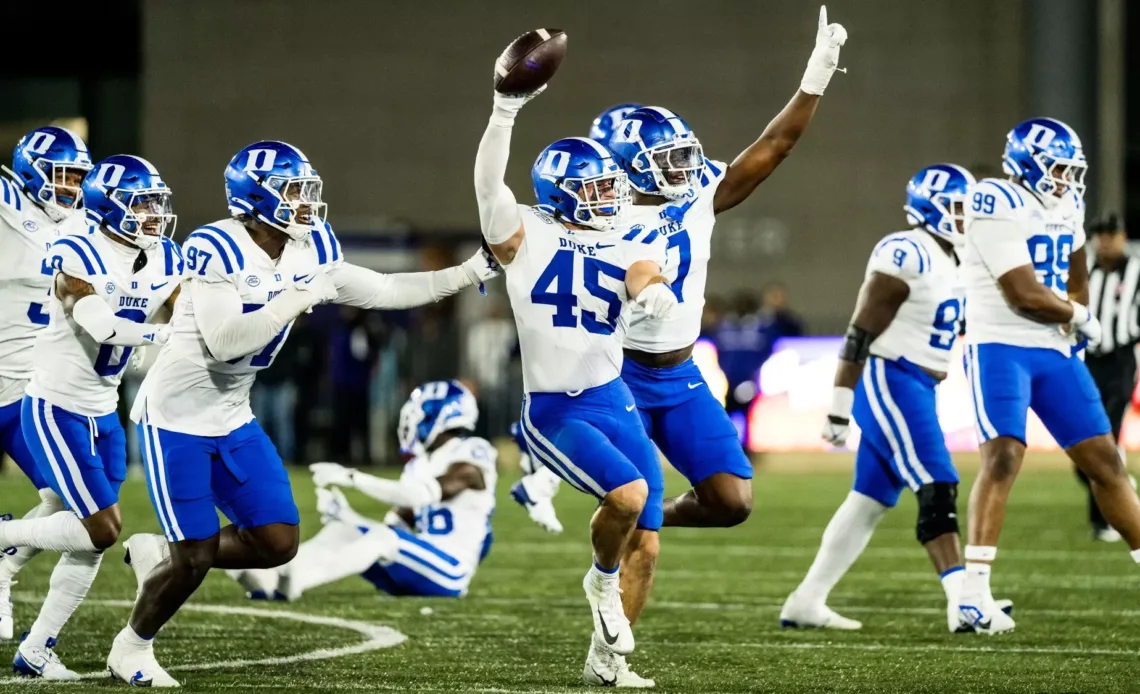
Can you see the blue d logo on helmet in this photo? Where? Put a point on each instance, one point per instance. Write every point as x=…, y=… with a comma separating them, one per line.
x=576, y=180
x=125, y=195
x=1046, y=155
x=274, y=183
x=41, y=163
x=433, y=409
x=935, y=200
x=603, y=127
x=659, y=152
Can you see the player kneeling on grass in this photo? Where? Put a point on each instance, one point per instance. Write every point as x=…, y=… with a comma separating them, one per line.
x=908, y=314
x=447, y=492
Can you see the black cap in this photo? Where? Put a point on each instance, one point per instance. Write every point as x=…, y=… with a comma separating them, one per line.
x=1106, y=224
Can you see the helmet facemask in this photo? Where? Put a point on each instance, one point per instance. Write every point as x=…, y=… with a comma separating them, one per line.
x=599, y=199
x=60, y=191
x=675, y=166
x=1059, y=176
x=299, y=205
x=953, y=222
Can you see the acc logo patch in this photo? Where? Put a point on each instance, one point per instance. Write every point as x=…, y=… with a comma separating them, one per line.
x=110, y=287
x=253, y=280
x=31, y=226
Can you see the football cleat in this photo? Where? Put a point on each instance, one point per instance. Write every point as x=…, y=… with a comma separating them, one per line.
x=984, y=615
x=958, y=624
x=540, y=510
x=605, y=668
x=1108, y=534
x=7, y=624
x=144, y=552
x=610, y=623
x=800, y=614
x=40, y=663
x=137, y=667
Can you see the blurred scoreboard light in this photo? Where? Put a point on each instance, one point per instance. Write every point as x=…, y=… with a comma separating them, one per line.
x=795, y=392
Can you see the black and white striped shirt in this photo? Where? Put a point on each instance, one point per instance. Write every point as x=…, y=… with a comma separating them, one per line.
x=1113, y=300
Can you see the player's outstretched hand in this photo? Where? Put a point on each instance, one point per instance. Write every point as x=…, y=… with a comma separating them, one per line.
x=657, y=300
x=320, y=285
x=481, y=267
x=513, y=103
x=331, y=475
x=824, y=60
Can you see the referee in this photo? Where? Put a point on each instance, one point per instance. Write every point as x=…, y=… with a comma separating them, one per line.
x=1114, y=276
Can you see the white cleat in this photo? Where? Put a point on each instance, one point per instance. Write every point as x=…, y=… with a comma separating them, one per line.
x=605, y=668
x=957, y=622
x=259, y=584
x=41, y=663
x=610, y=623
x=800, y=614
x=539, y=508
x=1106, y=535
x=144, y=552
x=985, y=615
x=7, y=622
x=330, y=503
x=137, y=667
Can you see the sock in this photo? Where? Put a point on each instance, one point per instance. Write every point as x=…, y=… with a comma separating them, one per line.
x=59, y=532
x=843, y=541
x=952, y=579
x=603, y=579
x=976, y=584
x=12, y=563
x=69, y=584
x=128, y=639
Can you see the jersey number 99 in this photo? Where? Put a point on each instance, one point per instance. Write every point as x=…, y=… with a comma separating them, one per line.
x=1050, y=258
x=983, y=202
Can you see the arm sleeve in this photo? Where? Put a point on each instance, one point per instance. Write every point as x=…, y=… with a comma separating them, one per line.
x=94, y=315
x=231, y=334
x=498, y=211
x=901, y=257
x=364, y=288
x=411, y=492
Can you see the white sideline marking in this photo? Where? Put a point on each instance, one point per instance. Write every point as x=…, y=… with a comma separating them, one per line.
x=378, y=637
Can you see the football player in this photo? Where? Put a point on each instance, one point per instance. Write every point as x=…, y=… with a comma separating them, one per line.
x=1026, y=278
x=248, y=278
x=41, y=198
x=108, y=283
x=439, y=529
x=570, y=270
x=603, y=127
x=896, y=352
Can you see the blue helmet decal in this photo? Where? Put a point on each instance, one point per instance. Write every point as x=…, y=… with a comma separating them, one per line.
x=432, y=409
x=42, y=163
x=577, y=180
x=1046, y=156
x=125, y=195
x=603, y=127
x=935, y=200
x=659, y=152
x=274, y=183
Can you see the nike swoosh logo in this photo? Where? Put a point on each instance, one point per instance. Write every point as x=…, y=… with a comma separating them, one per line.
x=630, y=408
x=600, y=246
x=156, y=287
x=610, y=640
x=298, y=278
x=695, y=385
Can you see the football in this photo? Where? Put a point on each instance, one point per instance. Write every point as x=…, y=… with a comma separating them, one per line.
x=530, y=61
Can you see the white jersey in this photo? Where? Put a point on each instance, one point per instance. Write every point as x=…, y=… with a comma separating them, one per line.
x=25, y=280
x=189, y=391
x=72, y=370
x=1008, y=226
x=687, y=226
x=930, y=318
x=461, y=525
x=567, y=291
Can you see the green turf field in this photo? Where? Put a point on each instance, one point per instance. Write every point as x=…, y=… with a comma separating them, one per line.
x=712, y=626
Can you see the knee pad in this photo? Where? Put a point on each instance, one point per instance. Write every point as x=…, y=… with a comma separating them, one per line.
x=937, y=510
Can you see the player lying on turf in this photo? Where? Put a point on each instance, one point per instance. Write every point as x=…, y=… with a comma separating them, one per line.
x=897, y=350
x=248, y=277
x=1026, y=278
x=41, y=198
x=439, y=529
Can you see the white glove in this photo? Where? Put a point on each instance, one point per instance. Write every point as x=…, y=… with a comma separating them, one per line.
x=657, y=299
x=481, y=267
x=824, y=59
x=393, y=519
x=331, y=475
x=320, y=285
x=1086, y=323
x=838, y=424
x=161, y=334
x=507, y=106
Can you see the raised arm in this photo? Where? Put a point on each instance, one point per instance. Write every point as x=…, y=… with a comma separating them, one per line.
x=761, y=158
x=498, y=211
x=364, y=288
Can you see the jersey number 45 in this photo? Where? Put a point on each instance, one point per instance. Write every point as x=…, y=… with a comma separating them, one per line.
x=559, y=274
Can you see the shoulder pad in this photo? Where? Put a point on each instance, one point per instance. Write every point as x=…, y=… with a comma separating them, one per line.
x=900, y=256
x=75, y=255
x=538, y=213
x=993, y=198
x=326, y=245
x=11, y=197
x=211, y=252
x=713, y=173
x=173, y=264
